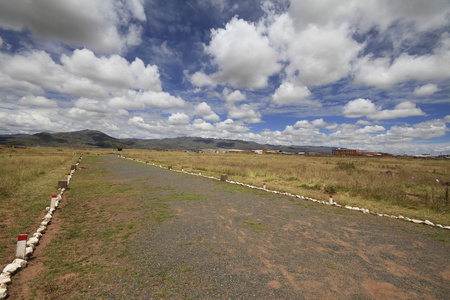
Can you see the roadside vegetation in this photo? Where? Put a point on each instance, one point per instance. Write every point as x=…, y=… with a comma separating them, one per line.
x=28, y=178
x=409, y=188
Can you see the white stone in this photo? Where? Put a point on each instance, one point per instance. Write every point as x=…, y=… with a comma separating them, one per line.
x=41, y=229
x=416, y=221
x=28, y=251
x=37, y=235
x=429, y=223
x=439, y=225
x=401, y=217
x=3, y=293
x=348, y=207
x=5, y=278
x=11, y=268
x=407, y=219
x=447, y=227
x=48, y=216
x=32, y=241
x=21, y=262
x=44, y=223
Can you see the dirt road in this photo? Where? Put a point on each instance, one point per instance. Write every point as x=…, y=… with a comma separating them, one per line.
x=197, y=238
x=225, y=241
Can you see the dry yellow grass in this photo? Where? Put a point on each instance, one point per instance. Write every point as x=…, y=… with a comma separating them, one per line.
x=28, y=178
x=411, y=190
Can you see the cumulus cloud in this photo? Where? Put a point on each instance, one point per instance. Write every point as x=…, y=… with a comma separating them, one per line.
x=38, y=101
x=244, y=113
x=384, y=73
x=205, y=111
x=242, y=54
x=27, y=120
x=426, y=90
x=233, y=96
x=179, y=119
x=231, y=126
x=82, y=74
x=358, y=108
x=364, y=107
x=321, y=55
x=371, y=129
x=289, y=94
x=97, y=24
x=201, y=79
x=367, y=14
x=114, y=71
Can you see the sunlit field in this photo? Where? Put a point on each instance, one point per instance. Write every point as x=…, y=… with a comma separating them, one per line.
x=28, y=178
x=410, y=189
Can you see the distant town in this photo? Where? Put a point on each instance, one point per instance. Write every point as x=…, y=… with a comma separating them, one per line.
x=336, y=152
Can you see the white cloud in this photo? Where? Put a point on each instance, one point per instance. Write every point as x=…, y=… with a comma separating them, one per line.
x=201, y=79
x=358, y=108
x=200, y=124
x=289, y=94
x=113, y=71
x=364, y=107
x=382, y=73
x=231, y=126
x=371, y=129
x=244, y=56
x=321, y=55
x=96, y=24
x=319, y=123
x=302, y=124
x=402, y=110
x=244, y=113
x=28, y=120
x=426, y=90
x=233, y=96
x=205, y=111
x=367, y=14
x=179, y=119
x=38, y=101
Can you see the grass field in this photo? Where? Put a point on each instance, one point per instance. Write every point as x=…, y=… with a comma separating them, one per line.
x=28, y=178
x=410, y=189
x=91, y=248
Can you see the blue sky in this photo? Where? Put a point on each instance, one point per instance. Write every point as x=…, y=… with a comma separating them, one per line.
x=373, y=75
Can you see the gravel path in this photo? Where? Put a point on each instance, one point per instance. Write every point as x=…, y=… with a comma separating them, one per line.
x=223, y=241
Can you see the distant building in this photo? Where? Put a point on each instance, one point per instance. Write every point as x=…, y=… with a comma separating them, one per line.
x=353, y=152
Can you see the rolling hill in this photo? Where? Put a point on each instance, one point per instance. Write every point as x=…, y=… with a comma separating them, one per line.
x=97, y=139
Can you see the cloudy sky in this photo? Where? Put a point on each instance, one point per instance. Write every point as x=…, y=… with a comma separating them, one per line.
x=373, y=74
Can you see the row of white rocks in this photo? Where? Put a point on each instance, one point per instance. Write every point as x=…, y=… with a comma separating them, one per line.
x=19, y=263
x=363, y=210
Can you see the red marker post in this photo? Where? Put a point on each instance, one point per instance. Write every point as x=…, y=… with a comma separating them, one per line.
x=53, y=202
x=264, y=185
x=331, y=199
x=21, y=246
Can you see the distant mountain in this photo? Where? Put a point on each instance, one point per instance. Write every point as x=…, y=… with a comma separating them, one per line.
x=98, y=139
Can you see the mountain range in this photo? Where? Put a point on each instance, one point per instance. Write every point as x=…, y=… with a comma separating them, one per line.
x=98, y=139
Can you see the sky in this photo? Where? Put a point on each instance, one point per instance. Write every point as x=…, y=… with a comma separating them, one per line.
x=371, y=75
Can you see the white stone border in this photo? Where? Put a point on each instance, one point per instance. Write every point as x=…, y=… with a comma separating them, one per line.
x=330, y=202
x=33, y=241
